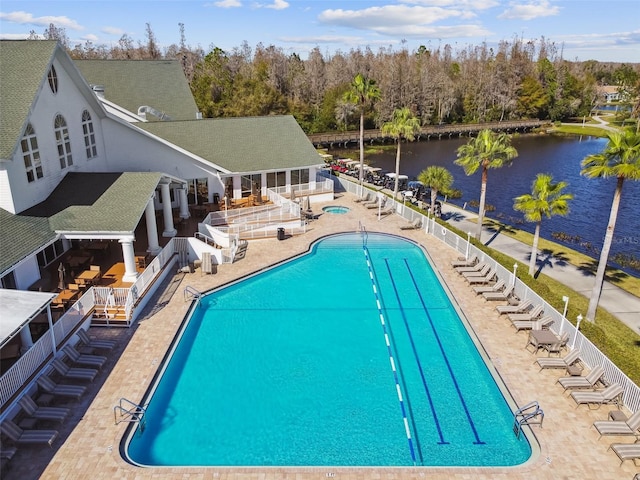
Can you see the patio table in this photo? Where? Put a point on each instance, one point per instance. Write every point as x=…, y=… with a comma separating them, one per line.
x=540, y=339
x=87, y=277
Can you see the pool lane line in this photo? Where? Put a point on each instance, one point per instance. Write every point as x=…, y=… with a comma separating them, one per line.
x=391, y=358
x=444, y=356
x=432, y=406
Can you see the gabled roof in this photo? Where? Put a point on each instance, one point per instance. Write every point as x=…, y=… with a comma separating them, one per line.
x=98, y=202
x=159, y=84
x=23, y=67
x=246, y=144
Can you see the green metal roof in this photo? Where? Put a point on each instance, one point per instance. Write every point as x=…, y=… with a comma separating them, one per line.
x=160, y=84
x=98, y=202
x=23, y=67
x=243, y=144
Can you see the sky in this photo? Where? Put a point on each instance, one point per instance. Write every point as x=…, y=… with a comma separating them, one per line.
x=581, y=29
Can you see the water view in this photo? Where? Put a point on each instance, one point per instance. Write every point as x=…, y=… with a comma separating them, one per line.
x=583, y=229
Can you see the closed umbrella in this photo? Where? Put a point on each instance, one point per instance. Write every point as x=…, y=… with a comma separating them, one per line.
x=61, y=280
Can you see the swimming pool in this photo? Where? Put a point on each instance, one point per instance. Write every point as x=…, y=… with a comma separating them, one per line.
x=350, y=355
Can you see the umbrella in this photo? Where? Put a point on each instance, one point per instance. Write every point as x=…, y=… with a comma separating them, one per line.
x=61, y=273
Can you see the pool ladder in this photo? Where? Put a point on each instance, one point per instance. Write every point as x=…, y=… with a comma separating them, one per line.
x=530, y=414
x=191, y=293
x=127, y=411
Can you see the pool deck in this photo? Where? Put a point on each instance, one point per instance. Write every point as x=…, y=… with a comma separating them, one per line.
x=88, y=446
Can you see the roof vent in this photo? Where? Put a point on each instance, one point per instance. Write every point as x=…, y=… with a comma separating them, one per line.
x=98, y=90
x=145, y=109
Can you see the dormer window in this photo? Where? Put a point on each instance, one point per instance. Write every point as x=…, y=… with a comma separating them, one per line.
x=53, y=79
x=63, y=142
x=31, y=154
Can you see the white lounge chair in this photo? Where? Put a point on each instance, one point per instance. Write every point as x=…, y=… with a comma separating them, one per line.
x=482, y=280
x=543, y=323
x=570, y=359
x=496, y=287
x=610, y=395
x=82, y=358
x=521, y=307
x=529, y=316
x=590, y=380
x=474, y=268
x=93, y=343
x=626, y=451
x=87, y=374
x=480, y=273
x=631, y=426
x=498, y=296
x=463, y=262
x=52, y=388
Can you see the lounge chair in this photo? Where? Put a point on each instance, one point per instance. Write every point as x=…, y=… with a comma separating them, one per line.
x=483, y=272
x=82, y=358
x=631, y=426
x=87, y=374
x=378, y=202
x=529, y=316
x=388, y=210
x=521, y=307
x=482, y=280
x=543, y=323
x=415, y=225
x=611, y=394
x=20, y=436
x=588, y=381
x=463, y=262
x=498, y=296
x=33, y=410
x=496, y=287
x=56, y=389
x=626, y=451
x=365, y=198
x=570, y=359
x=92, y=343
x=474, y=268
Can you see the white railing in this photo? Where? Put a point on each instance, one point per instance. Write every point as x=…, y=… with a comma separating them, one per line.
x=590, y=355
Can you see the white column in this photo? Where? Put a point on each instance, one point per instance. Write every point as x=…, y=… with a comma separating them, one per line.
x=263, y=184
x=152, y=228
x=169, y=230
x=237, y=187
x=312, y=177
x=287, y=181
x=130, y=272
x=25, y=337
x=184, y=203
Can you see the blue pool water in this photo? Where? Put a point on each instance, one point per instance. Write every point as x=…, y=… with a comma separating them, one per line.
x=291, y=367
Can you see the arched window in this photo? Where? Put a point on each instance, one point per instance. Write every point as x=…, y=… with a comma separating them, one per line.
x=31, y=154
x=89, y=135
x=53, y=79
x=63, y=142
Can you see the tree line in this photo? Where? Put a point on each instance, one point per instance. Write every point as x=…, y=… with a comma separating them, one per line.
x=518, y=79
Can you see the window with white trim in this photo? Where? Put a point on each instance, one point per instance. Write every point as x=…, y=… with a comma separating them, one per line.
x=63, y=142
x=31, y=154
x=52, y=76
x=89, y=135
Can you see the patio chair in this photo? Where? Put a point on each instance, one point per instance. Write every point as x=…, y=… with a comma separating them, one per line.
x=631, y=426
x=87, y=374
x=475, y=268
x=377, y=202
x=521, y=307
x=388, y=210
x=588, y=381
x=496, y=287
x=463, y=262
x=33, y=410
x=83, y=358
x=610, y=395
x=570, y=359
x=529, y=316
x=93, y=343
x=20, y=436
x=626, y=451
x=475, y=280
x=543, y=323
x=59, y=390
x=365, y=198
x=415, y=225
x=479, y=274
x=505, y=294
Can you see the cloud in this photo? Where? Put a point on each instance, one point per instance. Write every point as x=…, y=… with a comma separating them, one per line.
x=112, y=31
x=278, y=5
x=529, y=11
x=340, y=39
x=24, y=18
x=466, y=4
x=226, y=4
x=16, y=36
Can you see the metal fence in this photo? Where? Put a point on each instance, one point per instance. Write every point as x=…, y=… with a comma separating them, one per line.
x=590, y=355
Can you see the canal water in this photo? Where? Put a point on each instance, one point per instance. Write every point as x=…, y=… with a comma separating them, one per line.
x=582, y=230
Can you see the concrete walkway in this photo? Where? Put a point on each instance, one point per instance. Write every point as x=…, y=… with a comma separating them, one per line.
x=618, y=302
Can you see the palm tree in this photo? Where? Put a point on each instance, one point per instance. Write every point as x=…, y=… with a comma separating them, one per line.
x=403, y=125
x=363, y=92
x=438, y=179
x=620, y=159
x=487, y=150
x=545, y=200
